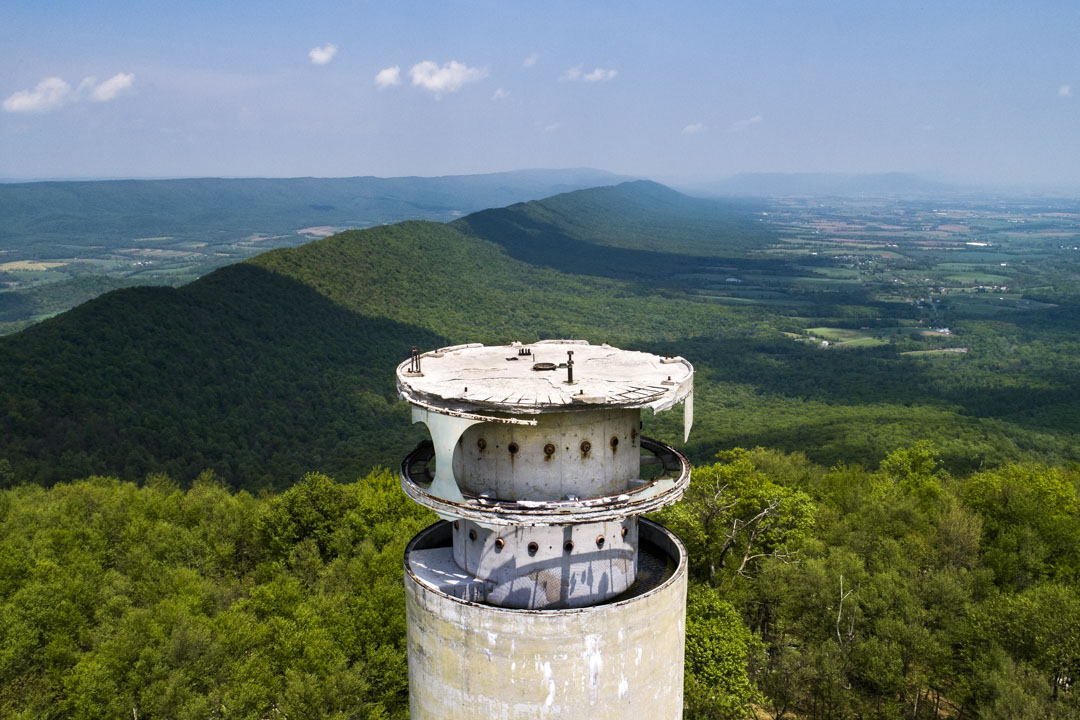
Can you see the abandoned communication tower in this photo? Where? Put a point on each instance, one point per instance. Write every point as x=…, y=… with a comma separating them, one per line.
x=542, y=593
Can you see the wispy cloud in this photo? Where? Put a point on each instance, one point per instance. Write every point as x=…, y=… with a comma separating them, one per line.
x=600, y=75
x=53, y=92
x=500, y=94
x=693, y=128
x=1064, y=91
x=112, y=87
x=323, y=55
x=578, y=74
x=740, y=125
x=388, y=77
x=446, y=78
x=49, y=94
x=531, y=60
x=552, y=127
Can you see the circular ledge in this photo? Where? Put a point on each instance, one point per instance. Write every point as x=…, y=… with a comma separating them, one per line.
x=654, y=534
x=650, y=497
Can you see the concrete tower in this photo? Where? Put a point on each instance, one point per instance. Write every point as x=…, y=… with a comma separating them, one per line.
x=542, y=593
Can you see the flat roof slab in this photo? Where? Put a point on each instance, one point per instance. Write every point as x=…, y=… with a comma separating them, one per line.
x=533, y=378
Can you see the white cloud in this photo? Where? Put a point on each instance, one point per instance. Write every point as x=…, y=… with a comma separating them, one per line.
x=500, y=94
x=693, y=128
x=740, y=125
x=112, y=87
x=388, y=77
x=600, y=75
x=53, y=92
x=577, y=73
x=449, y=77
x=323, y=55
x=531, y=60
x=552, y=127
x=50, y=93
x=1064, y=91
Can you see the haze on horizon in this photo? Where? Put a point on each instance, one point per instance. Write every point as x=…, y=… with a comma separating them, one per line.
x=972, y=92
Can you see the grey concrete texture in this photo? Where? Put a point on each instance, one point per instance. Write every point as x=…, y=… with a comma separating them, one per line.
x=550, y=566
x=581, y=454
x=501, y=378
x=615, y=660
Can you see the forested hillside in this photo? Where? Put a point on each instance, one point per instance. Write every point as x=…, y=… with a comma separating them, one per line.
x=283, y=365
x=816, y=593
x=63, y=243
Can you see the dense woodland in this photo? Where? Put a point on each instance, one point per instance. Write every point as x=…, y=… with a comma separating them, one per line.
x=900, y=592
x=175, y=541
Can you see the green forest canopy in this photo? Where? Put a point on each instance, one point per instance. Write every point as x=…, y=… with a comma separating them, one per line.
x=900, y=592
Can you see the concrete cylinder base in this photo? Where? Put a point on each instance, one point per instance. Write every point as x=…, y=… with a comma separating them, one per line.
x=620, y=659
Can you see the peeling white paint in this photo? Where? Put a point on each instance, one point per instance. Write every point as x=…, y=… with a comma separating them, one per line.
x=594, y=661
x=546, y=667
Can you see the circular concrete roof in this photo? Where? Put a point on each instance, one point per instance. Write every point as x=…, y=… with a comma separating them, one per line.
x=533, y=378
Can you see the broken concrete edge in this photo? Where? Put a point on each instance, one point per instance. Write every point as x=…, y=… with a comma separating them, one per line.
x=645, y=499
x=669, y=397
x=649, y=531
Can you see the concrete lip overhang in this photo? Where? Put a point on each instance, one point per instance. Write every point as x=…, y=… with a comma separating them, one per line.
x=535, y=378
x=649, y=497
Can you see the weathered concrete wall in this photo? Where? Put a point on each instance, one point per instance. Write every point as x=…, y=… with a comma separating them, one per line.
x=592, y=453
x=619, y=660
x=554, y=565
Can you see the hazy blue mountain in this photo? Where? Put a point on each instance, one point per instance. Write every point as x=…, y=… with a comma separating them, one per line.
x=636, y=229
x=824, y=184
x=111, y=212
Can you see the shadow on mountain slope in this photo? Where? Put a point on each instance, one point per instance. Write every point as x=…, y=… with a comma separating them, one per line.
x=247, y=372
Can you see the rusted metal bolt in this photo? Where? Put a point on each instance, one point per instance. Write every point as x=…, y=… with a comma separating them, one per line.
x=600, y=541
x=549, y=449
x=455, y=524
x=568, y=546
x=499, y=544
x=614, y=442
x=472, y=535
x=482, y=444
x=533, y=547
x=624, y=532
x=586, y=446
x=513, y=448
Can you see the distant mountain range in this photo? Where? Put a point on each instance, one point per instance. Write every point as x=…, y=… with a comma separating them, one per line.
x=820, y=184
x=109, y=212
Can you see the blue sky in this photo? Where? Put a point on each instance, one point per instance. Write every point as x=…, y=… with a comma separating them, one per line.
x=982, y=92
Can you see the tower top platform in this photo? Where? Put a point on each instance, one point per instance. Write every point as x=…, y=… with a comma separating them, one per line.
x=543, y=377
